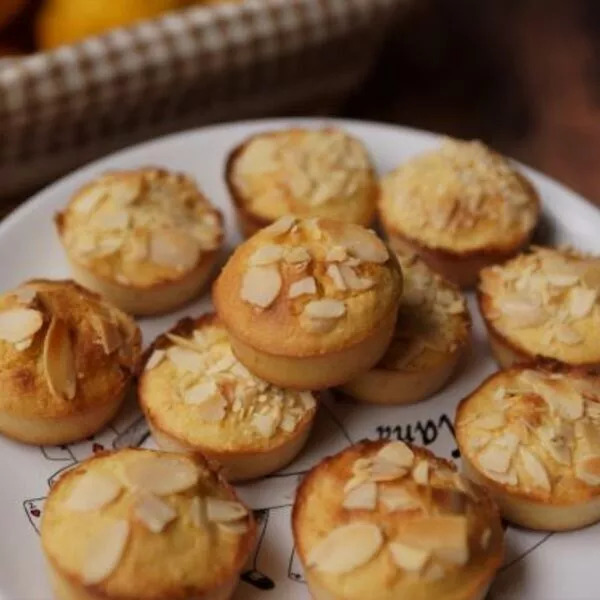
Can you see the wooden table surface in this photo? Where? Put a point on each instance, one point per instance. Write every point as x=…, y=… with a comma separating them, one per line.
x=522, y=75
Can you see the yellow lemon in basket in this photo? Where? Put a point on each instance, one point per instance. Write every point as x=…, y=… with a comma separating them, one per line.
x=9, y=9
x=63, y=22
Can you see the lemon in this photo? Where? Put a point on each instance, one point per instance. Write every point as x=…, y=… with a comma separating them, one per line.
x=63, y=22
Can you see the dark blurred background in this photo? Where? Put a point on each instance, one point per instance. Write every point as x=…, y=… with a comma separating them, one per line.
x=523, y=75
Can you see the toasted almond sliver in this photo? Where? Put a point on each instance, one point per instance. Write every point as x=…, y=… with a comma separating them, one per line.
x=219, y=510
x=281, y=226
x=153, y=512
x=265, y=425
x=535, y=469
x=104, y=552
x=186, y=360
x=326, y=308
x=581, y=302
x=522, y=313
x=261, y=285
x=59, y=360
x=490, y=421
x=25, y=294
x=201, y=392
x=307, y=285
x=161, y=475
x=407, y=557
x=562, y=279
x=334, y=273
x=397, y=453
x=346, y=548
x=266, y=255
x=155, y=359
x=17, y=324
x=189, y=343
x=353, y=281
x=336, y=254
x=172, y=248
x=420, y=472
x=296, y=255
x=92, y=491
x=364, y=496
x=364, y=244
x=212, y=410
x=109, y=334
x=495, y=458
x=23, y=344
x=383, y=470
x=398, y=498
x=197, y=512
x=567, y=335
x=87, y=201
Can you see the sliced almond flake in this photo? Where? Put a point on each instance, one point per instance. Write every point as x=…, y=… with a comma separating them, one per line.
x=455, y=308
x=567, y=335
x=155, y=359
x=261, y=285
x=522, y=313
x=234, y=528
x=334, y=273
x=18, y=324
x=266, y=255
x=59, y=360
x=125, y=191
x=364, y=244
x=534, y=469
x=477, y=442
x=420, y=472
x=336, y=254
x=161, y=475
x=109, y=334
x=155, y=514
x=434, y=572
x=265, y=425
x=189, y=343
x=136, y=249
x=486, y=536
x=408, y=558
x=356, y=481
x=362, y=465
x=197, y=512
x=346, y=548
x=201, y=392
x=104, y=552
x=363, y=496
x=281, y=226
x=445, y=536
x=587, y=469
x=353, y=281
x=92, y=491
x=225, y=363
x=353, y=261
x=562, y=279
x=581, y=302
x=561, y=397
x=326, y=308
x=490, y=421
x=397, y=453
x=23, y=344
x=554, y=445
x=114, y=220
x=186, y=360
x=88, y=200
x=288, y=423
x=224, y=511
x=297, y=255
x=495, y=458
x=383, y=470
x=172, y=248
x=211, y=410
x=307, y=285
x=398, y=498
x=508, y=478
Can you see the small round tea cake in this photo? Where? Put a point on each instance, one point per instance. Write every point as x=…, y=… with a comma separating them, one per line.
x=532, y=437
x=145, y=525
x=309, y=303
x=146, y=239
x=66, y=361
x=432, y=333
x=461, y=207
x=543, y=304
x=317, y=173
x=199, y=398
x=396, y=519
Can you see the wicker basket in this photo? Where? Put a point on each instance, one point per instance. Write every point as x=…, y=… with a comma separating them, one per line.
x=61, y=108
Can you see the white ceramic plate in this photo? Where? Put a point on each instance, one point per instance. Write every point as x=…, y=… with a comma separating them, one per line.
x=538, y=566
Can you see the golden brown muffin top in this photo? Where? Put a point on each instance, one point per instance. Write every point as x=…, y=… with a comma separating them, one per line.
x=147, y=525
x=141, y=227
x=302, y=287
x=63, y=350
x=433, y=320
x=546, y=303
x=195, y=389
x=535, y=432
x=394, y=517
x=461, y=197
x=324, y=173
